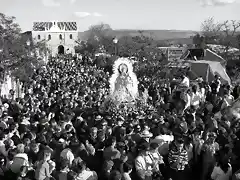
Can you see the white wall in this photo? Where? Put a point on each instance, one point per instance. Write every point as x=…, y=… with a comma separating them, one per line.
x=55, y=41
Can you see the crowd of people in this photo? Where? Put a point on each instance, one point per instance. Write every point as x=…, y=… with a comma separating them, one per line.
x=56, y=131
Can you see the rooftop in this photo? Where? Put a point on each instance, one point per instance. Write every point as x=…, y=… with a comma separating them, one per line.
x=55, y=26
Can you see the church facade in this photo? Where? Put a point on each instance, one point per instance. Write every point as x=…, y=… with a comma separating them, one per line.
x=60, y=37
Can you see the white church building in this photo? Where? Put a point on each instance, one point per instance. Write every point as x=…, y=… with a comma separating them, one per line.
x=60, y=37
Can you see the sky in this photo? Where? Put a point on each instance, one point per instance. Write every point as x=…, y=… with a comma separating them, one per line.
x=122, y=14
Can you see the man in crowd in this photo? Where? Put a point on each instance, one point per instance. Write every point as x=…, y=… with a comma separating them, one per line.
x=178, y=160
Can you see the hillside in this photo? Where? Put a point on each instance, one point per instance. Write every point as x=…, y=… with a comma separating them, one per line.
x=156, y=34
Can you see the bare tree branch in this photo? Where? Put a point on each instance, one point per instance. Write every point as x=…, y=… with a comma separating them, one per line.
x=236, y=26
x=223, y=33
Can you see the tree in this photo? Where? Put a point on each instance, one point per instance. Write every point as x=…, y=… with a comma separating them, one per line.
x=141, y=46
x=230, y=29
x=16, y=55
x=9, y=38
x=238, y=41
x=85, y=47
x=211, y=30
x=100, y=35
x=127, y=47
x=222, y=33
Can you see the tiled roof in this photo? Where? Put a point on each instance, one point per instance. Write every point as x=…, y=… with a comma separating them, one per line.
x=45, y=26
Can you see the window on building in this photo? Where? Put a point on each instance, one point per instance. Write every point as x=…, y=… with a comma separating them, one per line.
x=60, y=36
x=49, y=37
x=70, y=36
x=39, y=37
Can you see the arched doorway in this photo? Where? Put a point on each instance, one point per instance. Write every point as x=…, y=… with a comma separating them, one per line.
x=61, y=49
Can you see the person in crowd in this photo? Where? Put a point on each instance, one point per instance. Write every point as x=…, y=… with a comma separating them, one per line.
x=185, y=81
x=44, y=169
x=177, y=159
x=209, y=150
x=106, y=171
x=83, y=173
x=115, y=175
x=143, y=162
x=64, y=170
x=127, y=169
x=223, y=171
x=67, y=155
x=3, y=168
x=196, y=97
x=158, y=163
x=19, y=160
x=110, y=152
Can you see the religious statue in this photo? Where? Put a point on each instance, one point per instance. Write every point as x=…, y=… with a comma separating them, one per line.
x=124, y=97
x=123, y=83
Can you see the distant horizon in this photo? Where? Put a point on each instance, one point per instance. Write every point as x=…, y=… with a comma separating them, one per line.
x=176, y=30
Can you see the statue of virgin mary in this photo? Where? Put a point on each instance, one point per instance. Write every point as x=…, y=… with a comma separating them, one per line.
x=123, y=83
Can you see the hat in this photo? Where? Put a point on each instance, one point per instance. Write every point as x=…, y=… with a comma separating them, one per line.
x=79, y=118
x=104, y=122
x=145, y=133
x=47, y=149
x=61, y=140
x=98, y=118
x=25, y=121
